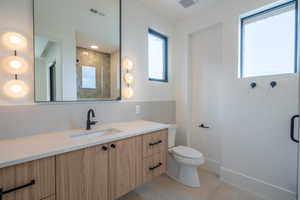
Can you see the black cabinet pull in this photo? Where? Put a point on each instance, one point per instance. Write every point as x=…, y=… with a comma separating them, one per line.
x=203, y=126
x=156, y=166
x=113, y=146
x=292, y=134
x=155, y=143
x=15, y=189
x=104, y=148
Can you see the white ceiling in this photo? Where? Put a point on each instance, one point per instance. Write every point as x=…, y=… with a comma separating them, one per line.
x=57, y=20
x=173, y=11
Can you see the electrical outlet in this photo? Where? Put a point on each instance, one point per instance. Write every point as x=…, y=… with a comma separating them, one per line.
x=137, y=109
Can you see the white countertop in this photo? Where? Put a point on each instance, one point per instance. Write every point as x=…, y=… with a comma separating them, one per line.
x=25, y=149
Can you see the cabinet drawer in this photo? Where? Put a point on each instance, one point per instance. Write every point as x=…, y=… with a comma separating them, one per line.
x=154, y=165
x=29, y=181
x=154, y=143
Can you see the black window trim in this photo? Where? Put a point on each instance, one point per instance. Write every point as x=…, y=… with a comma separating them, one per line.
x=165, y=39
x=242, y=32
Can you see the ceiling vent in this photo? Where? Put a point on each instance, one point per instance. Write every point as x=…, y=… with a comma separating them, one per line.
x=94, y=11
x=187, y=3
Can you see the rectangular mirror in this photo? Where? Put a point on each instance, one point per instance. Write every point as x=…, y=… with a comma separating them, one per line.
x=77, y=50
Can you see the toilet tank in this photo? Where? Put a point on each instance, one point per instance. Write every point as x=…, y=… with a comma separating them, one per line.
x=172, y=135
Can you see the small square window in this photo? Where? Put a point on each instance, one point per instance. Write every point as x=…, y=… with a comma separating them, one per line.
x=157, y=56
x=88, y=77
x=269, y=42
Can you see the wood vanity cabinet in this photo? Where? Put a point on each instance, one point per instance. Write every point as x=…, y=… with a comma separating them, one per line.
x=107, y=172
x=102, y=172
x=83, y=174
x=42, y=172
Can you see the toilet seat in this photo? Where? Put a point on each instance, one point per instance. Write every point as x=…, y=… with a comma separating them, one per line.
x=187, y=152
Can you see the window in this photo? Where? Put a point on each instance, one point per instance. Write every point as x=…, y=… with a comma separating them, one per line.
x=269, y=42
x=157, y=56
x=88, y=77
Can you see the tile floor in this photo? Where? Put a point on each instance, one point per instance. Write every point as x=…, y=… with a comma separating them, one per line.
x=164, y=188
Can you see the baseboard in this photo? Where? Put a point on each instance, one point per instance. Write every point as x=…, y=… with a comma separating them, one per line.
x=211, y=166
x=262, y=189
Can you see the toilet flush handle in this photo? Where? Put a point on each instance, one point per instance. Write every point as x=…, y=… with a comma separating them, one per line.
x=203, y=126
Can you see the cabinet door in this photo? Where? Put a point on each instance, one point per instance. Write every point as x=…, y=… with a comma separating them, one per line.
x=82, y=175
x=125, y=165
x=41, y=171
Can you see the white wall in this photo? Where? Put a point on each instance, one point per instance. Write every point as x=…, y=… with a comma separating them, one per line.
x=42, y=80
x=16, y=15
x=206, y=77
x=59, y=28
x=256, y=152
x=114, y=80
x=137, y=19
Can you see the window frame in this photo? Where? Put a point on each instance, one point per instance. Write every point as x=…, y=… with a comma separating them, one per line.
x=259, y=13
x=165, y=55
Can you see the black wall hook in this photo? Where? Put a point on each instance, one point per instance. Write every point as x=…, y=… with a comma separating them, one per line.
x=273, y=84
x=253, y=85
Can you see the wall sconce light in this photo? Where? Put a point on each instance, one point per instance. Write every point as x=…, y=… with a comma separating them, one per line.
x=128, y=92
x=128, y=78
x=16, y=89
x=15, y=65
x=127, y=64
x=14, y=41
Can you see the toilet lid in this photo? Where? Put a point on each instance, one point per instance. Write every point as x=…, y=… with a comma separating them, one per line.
x=187, y=152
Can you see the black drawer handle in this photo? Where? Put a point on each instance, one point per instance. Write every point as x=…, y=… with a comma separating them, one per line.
x=15, y=189
x=155, y=143
x=104, y=148
x=156, y=166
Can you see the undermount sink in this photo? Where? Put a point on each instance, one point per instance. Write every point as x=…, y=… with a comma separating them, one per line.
x=95, y=133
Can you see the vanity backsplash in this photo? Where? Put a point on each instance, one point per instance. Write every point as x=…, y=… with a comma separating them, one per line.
x=27, y=120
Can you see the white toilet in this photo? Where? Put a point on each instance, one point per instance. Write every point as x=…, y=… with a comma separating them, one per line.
x=183, y=162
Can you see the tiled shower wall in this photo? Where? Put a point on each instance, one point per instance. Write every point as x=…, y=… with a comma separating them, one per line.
x=101, y=61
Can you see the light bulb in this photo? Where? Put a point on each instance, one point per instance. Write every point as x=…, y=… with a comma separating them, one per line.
x=16, y=89
x=128, y=78
x=128, y=92
x=127, y=64
x=15, y=65
x=14, y=41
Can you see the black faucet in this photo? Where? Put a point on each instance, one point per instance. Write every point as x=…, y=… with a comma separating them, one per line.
x=89, y=123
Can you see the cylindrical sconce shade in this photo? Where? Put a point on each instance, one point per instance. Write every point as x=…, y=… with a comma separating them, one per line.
x=15, y=65
x=128, y=78
x=14, y=41
x=16, y=89
x=128, y=92
x=127, y=64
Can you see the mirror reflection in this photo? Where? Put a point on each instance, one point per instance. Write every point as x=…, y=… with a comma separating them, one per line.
x=77, y=50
